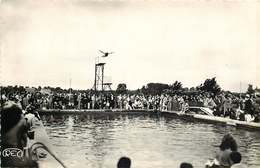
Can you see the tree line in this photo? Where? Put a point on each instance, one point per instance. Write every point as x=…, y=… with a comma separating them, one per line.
x=209, y=85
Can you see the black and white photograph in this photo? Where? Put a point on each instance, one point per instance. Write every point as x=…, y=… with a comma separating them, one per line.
x=130, y=83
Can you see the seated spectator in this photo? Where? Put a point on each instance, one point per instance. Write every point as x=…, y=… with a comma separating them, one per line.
x=257, y=118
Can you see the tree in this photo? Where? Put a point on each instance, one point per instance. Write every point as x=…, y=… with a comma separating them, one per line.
x=176, y=86
x=121, y=88
x=250, y=89
x=210, y=85
x=155, y=88
x=58, y=90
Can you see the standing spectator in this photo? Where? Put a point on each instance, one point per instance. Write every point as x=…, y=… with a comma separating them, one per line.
x=25, y=101
x=249, y=109
x=79, y=101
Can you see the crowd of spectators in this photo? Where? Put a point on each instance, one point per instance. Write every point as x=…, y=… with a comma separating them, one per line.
x=235, y=106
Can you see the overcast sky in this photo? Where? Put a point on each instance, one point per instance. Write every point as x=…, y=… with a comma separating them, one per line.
x=48, y=42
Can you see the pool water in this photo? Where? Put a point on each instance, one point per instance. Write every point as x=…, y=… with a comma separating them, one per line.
x=99, y=140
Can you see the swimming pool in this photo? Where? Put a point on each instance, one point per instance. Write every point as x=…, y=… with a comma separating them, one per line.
x=99, y=140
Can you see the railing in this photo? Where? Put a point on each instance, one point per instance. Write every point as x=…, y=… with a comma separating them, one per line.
x=41, y=145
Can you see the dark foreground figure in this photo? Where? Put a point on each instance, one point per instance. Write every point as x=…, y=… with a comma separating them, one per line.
x=124, y=162
x=228, y=155
x=186, y=165
x=14, y=134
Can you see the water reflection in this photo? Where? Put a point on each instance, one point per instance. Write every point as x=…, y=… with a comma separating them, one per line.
x=99, y=140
